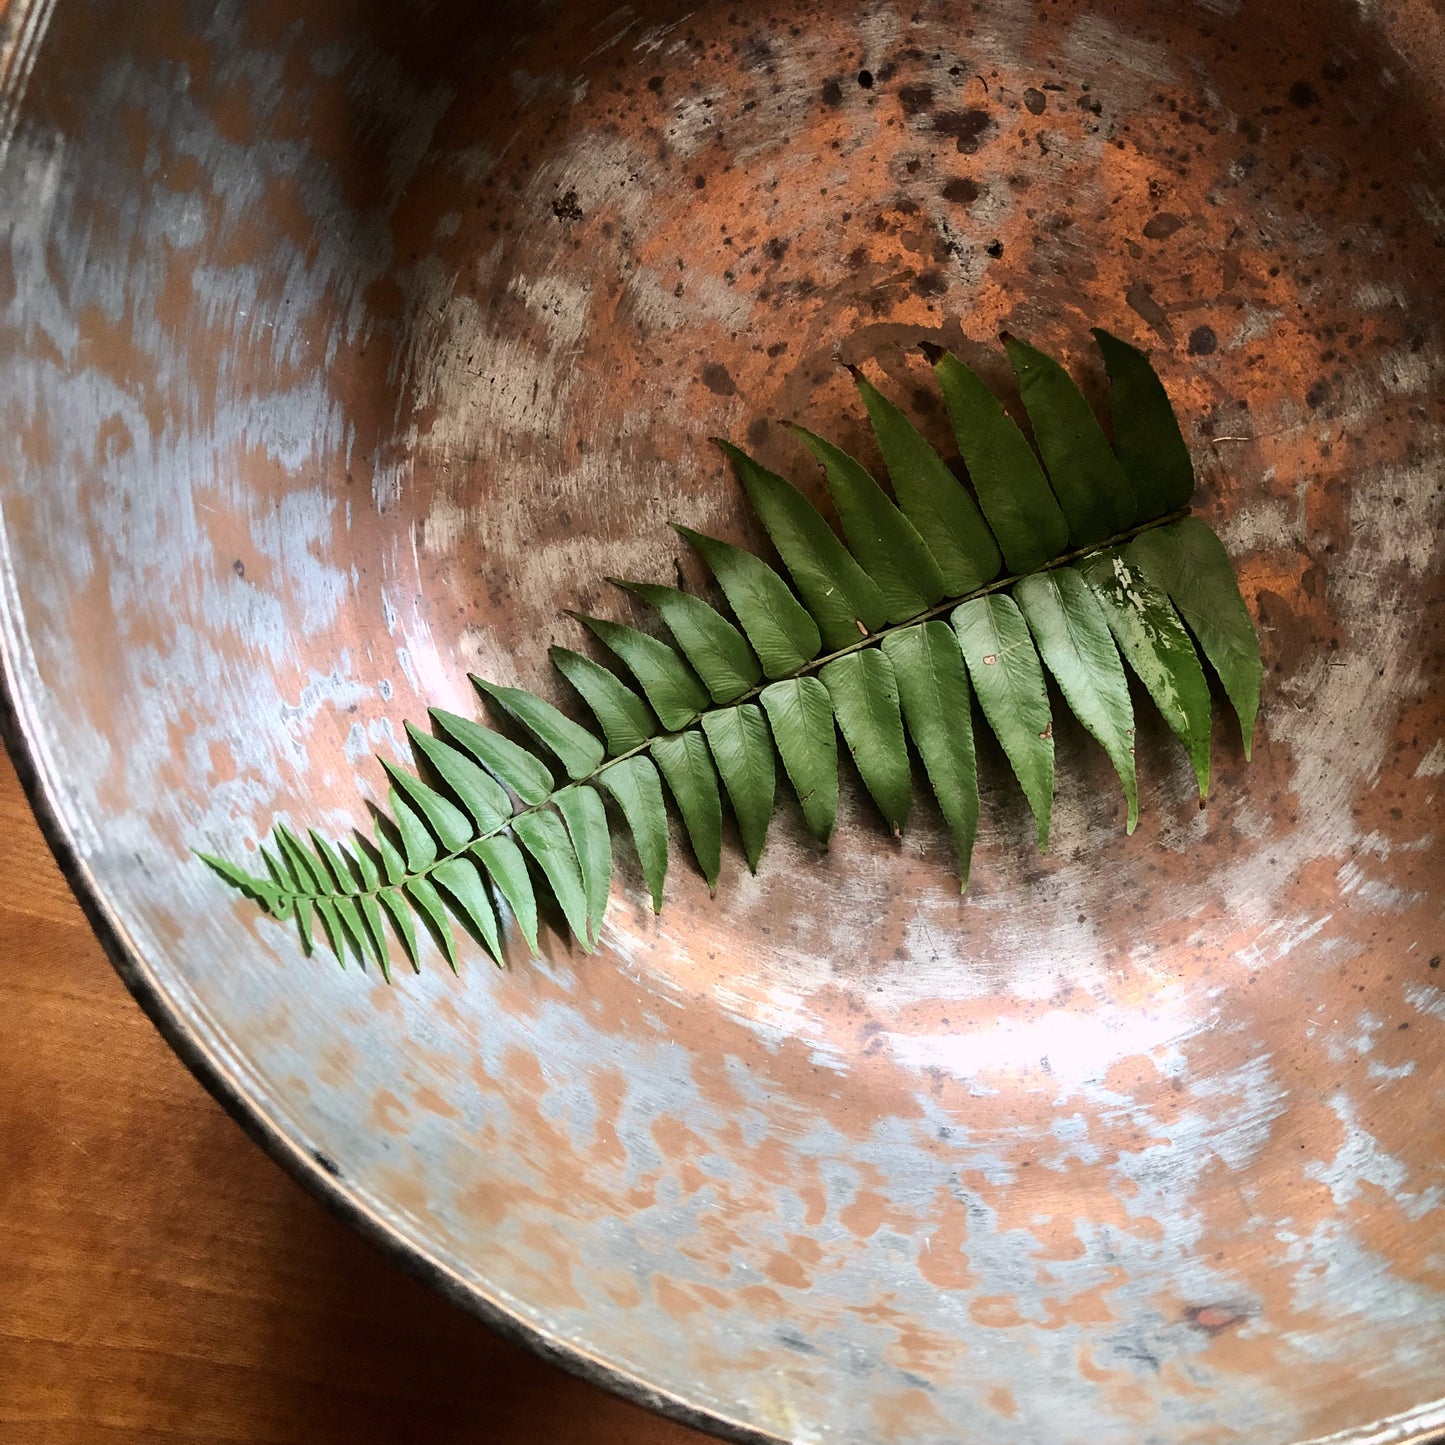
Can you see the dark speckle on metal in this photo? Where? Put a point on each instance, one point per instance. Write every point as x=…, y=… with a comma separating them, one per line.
x=1213, y=1319
x=346, y=347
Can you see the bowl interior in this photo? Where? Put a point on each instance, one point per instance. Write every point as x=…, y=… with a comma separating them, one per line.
x=347, y=348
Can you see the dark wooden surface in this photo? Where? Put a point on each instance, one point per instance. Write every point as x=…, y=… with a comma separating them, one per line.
x=161, y=1280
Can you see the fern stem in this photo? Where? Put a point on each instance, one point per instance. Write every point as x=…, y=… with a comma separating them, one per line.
x=871, y=639
x=1000, y=584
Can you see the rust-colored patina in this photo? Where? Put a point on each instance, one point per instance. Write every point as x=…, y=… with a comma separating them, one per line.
x=346, y=345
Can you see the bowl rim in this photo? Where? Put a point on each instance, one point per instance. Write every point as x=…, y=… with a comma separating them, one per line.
x=25, y=25
x=314, y=1171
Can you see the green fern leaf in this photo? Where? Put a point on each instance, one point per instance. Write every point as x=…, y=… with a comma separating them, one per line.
x=446, y=820
x=586, y=821
x=375, y=931
x=880, y=536
x=364, y=865
x=734, y=697
x=463, y=888
x=635, y=787
x=800, y=714
x=843, y=599
x=399, y=912
x=302, y=912
x=392, y=863
x=627, y=722
x=305, y=872
x=258, y=890
x=524, y=773
x=668, y=683
x=478, y=791
x=1186, y=560
x=365, y=868
x=325, y=883
x=1147, y=438
x=417, y=842
x=507, y=869
x=331, y=928
x=279, y=875
x=1152, y=640
x=718, y=652
x=433, y=912
x=543, y=835
x=344, y=878
x=362, y=944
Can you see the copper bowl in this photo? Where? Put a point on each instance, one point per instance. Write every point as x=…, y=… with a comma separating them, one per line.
x=346, y=345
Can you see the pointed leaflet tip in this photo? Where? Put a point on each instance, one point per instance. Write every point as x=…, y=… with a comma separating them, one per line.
x=882, y=539
x=1153, y=641
x=834, y=587
x=933, y=693
x=1187, y=560
x=1071, y=633
x=932, y=351
x=932, y=498
x=1147, y=438
x=1092, y=488
x=1008, y=681
x=686, y=764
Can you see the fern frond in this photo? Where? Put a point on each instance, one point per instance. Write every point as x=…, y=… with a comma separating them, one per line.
x=886, y=635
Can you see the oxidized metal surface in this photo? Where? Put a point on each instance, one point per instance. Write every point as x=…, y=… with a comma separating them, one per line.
x=346, y=345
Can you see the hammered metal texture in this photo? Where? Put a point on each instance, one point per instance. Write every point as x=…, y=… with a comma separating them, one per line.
x=345, y=345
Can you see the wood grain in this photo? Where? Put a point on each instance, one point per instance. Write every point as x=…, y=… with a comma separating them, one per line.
x=161, y=1280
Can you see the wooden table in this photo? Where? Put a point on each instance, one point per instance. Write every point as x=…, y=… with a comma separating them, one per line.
x=162, y=1281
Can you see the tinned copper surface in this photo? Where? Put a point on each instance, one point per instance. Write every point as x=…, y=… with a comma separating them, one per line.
x=345, y=346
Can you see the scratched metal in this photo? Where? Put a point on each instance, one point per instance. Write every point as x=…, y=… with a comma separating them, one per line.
x=344, y=346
